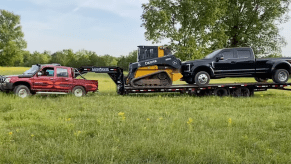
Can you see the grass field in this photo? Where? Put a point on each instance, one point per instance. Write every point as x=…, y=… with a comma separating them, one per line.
x=145, y=128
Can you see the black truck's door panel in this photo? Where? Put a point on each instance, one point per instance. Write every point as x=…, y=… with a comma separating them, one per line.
x=225, y=66
x=245, y=62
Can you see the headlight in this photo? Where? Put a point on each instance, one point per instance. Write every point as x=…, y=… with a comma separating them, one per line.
x=7, y=80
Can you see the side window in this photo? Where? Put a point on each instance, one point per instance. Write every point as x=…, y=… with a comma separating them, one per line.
x=244, y=54
x=61, y=72
x=227, y=54
x=47, y=71
x=152, y=53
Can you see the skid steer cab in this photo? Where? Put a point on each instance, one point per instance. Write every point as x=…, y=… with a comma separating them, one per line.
x=155, y=66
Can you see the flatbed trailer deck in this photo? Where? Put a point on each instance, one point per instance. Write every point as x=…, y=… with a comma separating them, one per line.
x=226, y=89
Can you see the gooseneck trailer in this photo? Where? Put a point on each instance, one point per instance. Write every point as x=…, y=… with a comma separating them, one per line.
x=227, y=89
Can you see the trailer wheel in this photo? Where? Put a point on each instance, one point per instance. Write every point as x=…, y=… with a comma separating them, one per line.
x=22, y=91
x=242, y=92
x=281, y=76
x=261, y=80
x=202, y=78
x=221, y=92
x=245, y=92
x=79, y=91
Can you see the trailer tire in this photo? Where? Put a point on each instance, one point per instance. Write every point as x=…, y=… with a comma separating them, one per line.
x=202, y=78
x=245, y=92
x=221, y=92
x=22, y=91
x=79, y=91
x=281, y=76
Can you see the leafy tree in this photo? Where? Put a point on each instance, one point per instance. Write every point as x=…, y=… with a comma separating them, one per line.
x=109, y=60
x=124, y=61
x=197, y=27
x=59, y=57
x=11, y=38
x=254, y=23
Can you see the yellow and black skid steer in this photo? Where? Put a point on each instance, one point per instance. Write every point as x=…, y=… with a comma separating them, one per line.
x=155, y=66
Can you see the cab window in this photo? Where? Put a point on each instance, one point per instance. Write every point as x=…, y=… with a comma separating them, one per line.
x=244, y=54
x=61, y=72
x=227, y=55
x=48, y=71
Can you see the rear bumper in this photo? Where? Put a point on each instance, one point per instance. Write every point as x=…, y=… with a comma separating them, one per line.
x=6, y=86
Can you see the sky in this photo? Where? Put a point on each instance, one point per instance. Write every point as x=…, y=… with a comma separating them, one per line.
x=105, y=26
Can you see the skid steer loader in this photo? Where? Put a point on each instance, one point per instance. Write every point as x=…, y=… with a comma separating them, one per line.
x=155, y=66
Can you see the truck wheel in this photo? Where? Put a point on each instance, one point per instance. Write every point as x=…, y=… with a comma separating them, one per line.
x=261, y=80
x=202, y=78
x=22, y=91
x=79, y=91
x=281, y=76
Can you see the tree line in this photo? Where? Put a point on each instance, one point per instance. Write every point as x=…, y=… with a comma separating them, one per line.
x=69, y=58
x=12, y=51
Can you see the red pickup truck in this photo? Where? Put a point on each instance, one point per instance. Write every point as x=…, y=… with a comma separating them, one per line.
x=48, y=79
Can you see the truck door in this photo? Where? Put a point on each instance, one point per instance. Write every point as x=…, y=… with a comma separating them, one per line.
x=44, y=82
x=226, y=66
x=63, y=80
x=245, y=62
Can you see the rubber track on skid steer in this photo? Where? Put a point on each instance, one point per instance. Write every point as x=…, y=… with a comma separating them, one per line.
x=156, y=73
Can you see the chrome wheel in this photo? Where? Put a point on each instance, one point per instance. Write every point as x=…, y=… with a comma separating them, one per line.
x=22, y=93
x=282, y=76
x=203, y=79
x=78, y=92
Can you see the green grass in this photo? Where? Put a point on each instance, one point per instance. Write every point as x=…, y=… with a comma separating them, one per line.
x=155, y=128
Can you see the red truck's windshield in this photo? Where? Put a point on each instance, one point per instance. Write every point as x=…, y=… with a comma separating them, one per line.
x=32, y=70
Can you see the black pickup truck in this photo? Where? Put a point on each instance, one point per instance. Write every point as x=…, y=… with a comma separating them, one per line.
x=236, y=62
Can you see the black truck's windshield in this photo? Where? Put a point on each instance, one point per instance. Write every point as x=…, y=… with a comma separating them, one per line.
x=210, y=56
x=32, y=70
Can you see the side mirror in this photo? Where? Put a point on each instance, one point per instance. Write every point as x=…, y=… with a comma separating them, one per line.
x=39, y=73
x=220, y=57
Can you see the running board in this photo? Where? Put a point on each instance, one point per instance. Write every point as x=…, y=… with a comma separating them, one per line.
x=52, y=93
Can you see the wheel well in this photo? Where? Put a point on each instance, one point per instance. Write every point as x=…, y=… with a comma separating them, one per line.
x=283, y=66
x=21, y=83
x=80, y=86
x=203, y=68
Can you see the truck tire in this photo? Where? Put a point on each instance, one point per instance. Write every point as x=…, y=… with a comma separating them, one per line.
x=261, y=80
x=281, y=76
x=22, y=91
x=202, y=78
x=79, y=91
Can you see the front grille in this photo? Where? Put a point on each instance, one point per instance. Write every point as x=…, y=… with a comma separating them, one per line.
x=2, y=79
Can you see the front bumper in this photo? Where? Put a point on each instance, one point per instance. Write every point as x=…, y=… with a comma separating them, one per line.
x=6, y=86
